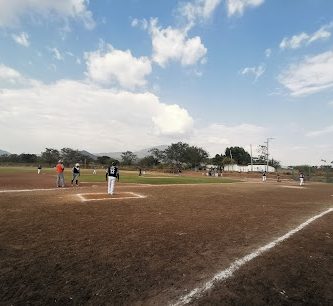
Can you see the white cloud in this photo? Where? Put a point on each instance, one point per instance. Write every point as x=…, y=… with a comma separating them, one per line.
x=327, y=130
x=216, y=137
x=256, y=71
x=143, y=23
x=69, y=53
x=62, y=114
x=198, y=10
x=12, y=11
x=321, y=34
x=56, y=54
x=304, y=39
x=174, y=44
x=238, y=6
x=268, y=53
x=311, y=75
x=11, y=77
x=82, y=115
x=22, y=39
x=172, y=120
x=294, y=42
x=117, y=67
x=9, y=73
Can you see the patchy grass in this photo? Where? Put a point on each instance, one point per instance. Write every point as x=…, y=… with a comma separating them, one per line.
x=125, y=176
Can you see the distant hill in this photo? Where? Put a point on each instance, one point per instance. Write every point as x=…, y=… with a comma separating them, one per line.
x=3, y=152
x=140, y=154
x=86, y=153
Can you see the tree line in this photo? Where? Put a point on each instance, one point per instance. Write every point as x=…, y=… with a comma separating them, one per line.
x=49, y=157
x=176, y=156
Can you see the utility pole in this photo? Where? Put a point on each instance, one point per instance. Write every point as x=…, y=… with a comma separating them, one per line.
x=251, y=158
x=267, y=144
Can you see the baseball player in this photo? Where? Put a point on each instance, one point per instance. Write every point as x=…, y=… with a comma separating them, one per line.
x=301, y=179
x=264, y=176
x=60, y=174
x=112, y=176
x=75, y=174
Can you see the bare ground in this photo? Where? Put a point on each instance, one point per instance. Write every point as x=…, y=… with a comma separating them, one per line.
x=56, y=249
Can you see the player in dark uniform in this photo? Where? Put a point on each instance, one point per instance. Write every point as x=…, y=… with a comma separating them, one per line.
x=112, y=176
x=75, y=174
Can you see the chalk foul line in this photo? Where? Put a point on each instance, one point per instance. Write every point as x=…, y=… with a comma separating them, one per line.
x=236, y=265
x=32, y=190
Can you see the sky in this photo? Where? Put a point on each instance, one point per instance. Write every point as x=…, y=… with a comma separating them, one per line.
x=118, y=75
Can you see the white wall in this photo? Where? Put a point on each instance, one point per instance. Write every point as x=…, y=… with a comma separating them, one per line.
x=256, y=168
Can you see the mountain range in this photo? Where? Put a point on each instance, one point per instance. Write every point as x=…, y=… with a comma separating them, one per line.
x=115, y=155
x=140, y=154
x=3, y=152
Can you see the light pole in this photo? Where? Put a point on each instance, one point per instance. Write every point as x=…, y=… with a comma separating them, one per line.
x=267, y=144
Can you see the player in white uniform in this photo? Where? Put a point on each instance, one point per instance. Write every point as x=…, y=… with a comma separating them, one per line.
x=301, y=179
x=112, y=176
x=264, y=176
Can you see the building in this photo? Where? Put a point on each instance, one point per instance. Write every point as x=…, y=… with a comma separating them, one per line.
x=248, y=168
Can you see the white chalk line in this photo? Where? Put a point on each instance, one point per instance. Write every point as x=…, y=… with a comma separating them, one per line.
x=30, y=190
x=134, y=196
x=173, y=185
x=236, y=265
x=294, y=187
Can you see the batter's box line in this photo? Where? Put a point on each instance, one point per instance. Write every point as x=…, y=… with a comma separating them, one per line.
x=82, y=196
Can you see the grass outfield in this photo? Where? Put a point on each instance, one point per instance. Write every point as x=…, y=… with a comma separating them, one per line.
x=125, y=176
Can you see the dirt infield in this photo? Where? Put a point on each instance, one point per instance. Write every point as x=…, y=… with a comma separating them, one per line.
x=75, y=246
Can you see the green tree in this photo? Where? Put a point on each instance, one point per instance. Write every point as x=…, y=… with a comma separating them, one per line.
x=14, y=158
x=239, y=155
x=218, y=160
x=228, y=161
x=262, y=154
x=175, y=154
x=28, y=158
x=274, y=163
x=104, y=160
x=50, y=156
x=195, y=156
x=70, y=157
x=148, y=161
x=262, y=158
x=128, y=158
x=159, y=155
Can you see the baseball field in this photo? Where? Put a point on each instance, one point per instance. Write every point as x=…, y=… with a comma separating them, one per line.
x=164, y=240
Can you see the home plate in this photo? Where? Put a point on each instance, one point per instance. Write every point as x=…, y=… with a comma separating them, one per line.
x=84, y=197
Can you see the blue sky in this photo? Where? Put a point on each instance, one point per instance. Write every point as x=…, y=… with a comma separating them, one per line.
x=114, y=75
